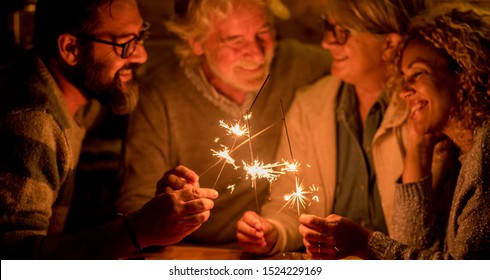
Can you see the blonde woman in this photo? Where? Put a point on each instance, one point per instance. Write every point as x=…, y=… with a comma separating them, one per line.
x=445, y=67
x=343, y=129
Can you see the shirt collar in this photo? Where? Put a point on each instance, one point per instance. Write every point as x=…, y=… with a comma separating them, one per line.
x=199, y=80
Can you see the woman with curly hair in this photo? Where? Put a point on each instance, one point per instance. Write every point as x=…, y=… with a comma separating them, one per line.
x=443, y=68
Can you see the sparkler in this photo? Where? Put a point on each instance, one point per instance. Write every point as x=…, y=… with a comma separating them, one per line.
x=299, y=196
x=258, y=170
x=237, y=130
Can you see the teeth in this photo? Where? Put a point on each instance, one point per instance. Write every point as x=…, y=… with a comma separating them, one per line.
x=418, y=106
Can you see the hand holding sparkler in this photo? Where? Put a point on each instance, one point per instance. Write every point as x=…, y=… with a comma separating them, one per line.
x=333, y=237
x=179, y=207
x=256, y=234
x=177, y=178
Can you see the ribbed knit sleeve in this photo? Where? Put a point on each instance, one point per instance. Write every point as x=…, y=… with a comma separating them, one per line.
x=415, y=214
x=34, y=161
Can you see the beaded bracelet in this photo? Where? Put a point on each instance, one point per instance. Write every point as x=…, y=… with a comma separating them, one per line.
x=131, y=233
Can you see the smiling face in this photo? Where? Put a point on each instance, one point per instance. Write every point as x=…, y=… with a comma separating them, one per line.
x=358, y=59
x=102, y=73
x=429, y=87
x=238, y=50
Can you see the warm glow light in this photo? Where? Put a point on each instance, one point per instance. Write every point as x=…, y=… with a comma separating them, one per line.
x=299, y=198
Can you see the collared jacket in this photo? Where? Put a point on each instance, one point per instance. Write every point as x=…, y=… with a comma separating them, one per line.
x=311, y=124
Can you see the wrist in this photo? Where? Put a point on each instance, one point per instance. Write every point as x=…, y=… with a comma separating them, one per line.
x=130, y=232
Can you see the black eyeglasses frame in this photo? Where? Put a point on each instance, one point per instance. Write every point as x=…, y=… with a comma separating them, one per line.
x=127, y=47
x=336, y=30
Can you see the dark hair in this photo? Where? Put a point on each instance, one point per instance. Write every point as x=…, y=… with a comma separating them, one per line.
x=55, y=17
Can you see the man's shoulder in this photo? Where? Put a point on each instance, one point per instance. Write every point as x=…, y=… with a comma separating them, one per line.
x=326, y=85
x=27, y=88
x=20, y=86
x=166, y=74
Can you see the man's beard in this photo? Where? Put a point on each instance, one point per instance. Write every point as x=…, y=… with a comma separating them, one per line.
x=89, y=77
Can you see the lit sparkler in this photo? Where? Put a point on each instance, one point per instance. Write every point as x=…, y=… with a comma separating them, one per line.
x=225, y=154
x=299, y=196
x=235, y=129
x=269, y=171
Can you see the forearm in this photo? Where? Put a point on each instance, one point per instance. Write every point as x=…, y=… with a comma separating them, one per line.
x=415, y=214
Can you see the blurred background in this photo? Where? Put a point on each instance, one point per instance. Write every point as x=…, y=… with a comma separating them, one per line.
x=97, y=174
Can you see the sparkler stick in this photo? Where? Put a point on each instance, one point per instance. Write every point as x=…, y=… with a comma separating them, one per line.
x=298, y=197
x=248, y=116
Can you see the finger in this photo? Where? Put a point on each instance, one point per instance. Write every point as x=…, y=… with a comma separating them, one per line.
x=253, y=220
x=178, y=177
x=196, y=219
x=170, y=181
x=311, y=235
x=208, y=193
x=314, y=222
x=248, y=240
x=196, y=193
x=187, y=174
x=246, y=229
x=196, y=206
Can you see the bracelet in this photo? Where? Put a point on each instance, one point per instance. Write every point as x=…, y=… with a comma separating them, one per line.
x=131, y=233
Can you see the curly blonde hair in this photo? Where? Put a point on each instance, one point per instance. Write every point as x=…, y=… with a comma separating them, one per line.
x=462, y=33
x=198, y=22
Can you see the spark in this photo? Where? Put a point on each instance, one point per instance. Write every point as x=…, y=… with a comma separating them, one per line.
x=235, y=129
x=225, y=154
x=247, y=116
x=259, y=170
x=299, y=197
x=290, y=166
x=231, y=188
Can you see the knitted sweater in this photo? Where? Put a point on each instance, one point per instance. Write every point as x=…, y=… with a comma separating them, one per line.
x=39, y=147
x=177, y=122
x=467, y=234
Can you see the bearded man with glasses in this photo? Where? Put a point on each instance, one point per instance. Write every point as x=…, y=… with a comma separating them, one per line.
x=42, y=98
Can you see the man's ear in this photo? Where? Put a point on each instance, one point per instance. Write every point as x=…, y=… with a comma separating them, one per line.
x=196, y=47
x=68, y=48
x=391, y=44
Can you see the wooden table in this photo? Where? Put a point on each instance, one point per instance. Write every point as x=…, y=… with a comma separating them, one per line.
x=176, y=252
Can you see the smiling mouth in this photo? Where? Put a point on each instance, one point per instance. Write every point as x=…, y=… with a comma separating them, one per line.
x=126, y=74
x=417, y=107
x=339, y=57
x=251, y=68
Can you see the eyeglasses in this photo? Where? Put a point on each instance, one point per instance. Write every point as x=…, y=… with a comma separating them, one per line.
x=129, y=47
x=340, y=34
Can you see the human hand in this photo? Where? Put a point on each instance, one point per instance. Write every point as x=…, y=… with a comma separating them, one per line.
x=171, y=216
x=177, y=178
x=333, y=237
x=420, y=151
x=256, y=234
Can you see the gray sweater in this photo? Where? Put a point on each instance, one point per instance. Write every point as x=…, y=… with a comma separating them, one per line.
x=467, y=234
x=177, y=122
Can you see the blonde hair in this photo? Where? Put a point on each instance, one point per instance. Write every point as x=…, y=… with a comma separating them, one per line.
x=198, y=22
x=380, y=16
